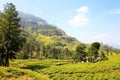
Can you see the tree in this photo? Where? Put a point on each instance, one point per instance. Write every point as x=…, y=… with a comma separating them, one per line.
x=93, y=52
x=67, y=53
x=31, y=49
x=80, y=53
x=95, y=47
x=103, y=56
x=12, y=40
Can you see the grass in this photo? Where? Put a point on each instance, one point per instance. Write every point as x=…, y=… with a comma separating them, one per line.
x=50, y=69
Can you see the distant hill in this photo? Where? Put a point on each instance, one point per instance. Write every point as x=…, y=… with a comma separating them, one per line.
x=30, y=17
x=45, y=32
x=28, y=20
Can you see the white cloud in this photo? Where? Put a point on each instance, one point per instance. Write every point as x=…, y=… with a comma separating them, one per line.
x=116, y=11
x=83, y=9
x=104, y=38
x=101, y=37
x=81, y=18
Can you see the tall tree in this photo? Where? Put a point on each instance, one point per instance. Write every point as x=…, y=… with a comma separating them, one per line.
x=93, y=52
x=13, y=40
x=95, y=46
x=80, y=52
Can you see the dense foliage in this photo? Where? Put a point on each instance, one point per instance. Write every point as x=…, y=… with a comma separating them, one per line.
x=11, y=39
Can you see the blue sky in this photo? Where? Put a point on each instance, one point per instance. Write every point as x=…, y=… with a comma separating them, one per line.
x=87, y=20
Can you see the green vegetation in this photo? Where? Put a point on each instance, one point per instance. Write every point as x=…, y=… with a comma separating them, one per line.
x=45, y=52
x=13, y=73
x=51, y=69
x=80, y=53
x=11, y=40
x=93, y=52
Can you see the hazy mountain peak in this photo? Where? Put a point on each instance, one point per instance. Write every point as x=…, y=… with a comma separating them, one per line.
x=28, y=20
x=30, y=17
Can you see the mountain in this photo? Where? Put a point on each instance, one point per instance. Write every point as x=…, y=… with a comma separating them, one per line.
x=46, y=33
x=28, y=20
x=29, y=17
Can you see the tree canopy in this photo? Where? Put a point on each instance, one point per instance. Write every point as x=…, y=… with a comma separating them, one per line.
x=11, y=39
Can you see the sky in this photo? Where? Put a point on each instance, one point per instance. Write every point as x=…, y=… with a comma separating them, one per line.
x=86, y=20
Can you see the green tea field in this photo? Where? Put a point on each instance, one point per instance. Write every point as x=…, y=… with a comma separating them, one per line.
x=50, y=69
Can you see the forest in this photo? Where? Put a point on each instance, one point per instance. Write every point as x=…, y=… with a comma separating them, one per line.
x=37, y=47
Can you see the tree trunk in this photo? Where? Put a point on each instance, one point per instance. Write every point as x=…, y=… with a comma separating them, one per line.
x=7, y=60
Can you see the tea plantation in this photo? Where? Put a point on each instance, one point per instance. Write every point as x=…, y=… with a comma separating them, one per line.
x=51, y=69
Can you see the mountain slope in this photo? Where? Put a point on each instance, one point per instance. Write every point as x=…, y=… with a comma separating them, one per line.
x=29, y=17
x=36, y=23
x=46, y=33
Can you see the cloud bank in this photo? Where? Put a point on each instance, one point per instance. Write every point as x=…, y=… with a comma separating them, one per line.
x=104, y=38
x=81, y=18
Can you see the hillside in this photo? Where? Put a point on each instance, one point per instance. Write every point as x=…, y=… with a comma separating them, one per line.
x=49, y=40
x=45, y=32
x=29, y=20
